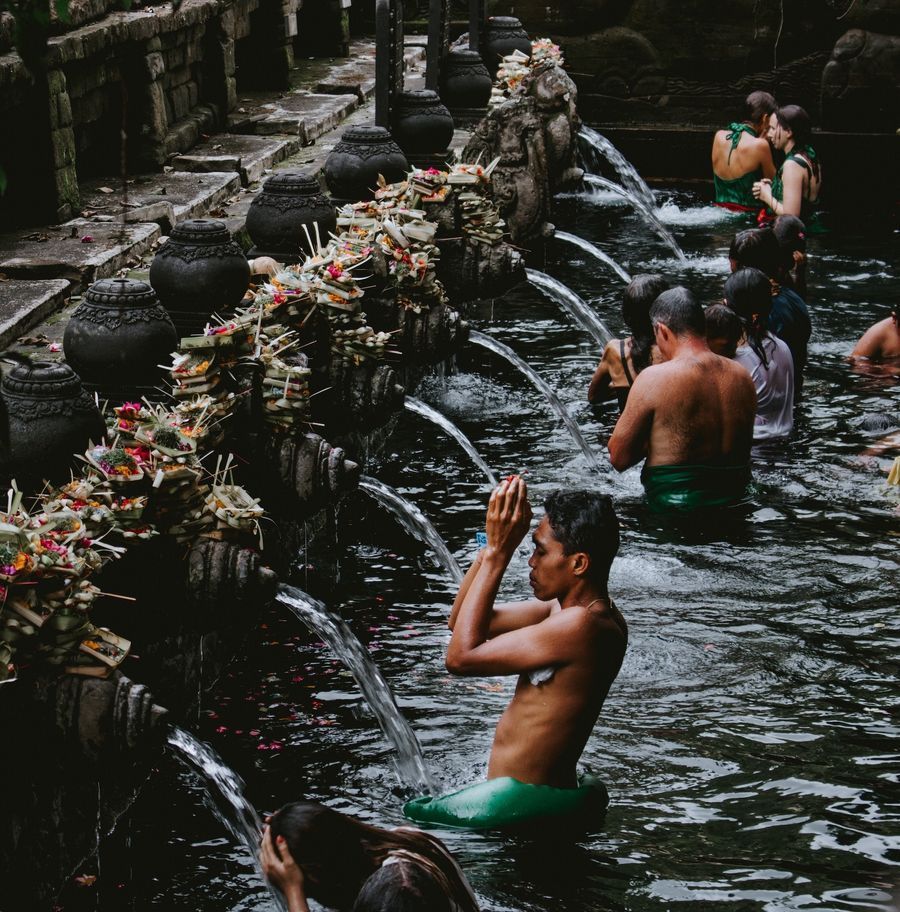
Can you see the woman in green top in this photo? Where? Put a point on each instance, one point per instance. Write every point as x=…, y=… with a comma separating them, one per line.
x=740, y=157
x=795, y=188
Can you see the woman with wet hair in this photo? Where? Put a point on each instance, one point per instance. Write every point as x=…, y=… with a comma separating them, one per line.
x=311, y=851
x=795, y=187
x=624, y=359
x=766, y=357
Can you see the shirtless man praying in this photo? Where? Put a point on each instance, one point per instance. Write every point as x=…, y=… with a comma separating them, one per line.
x=566, y=645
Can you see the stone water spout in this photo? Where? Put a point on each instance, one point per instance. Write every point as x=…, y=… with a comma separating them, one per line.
x=224, y=579
x=314, y=472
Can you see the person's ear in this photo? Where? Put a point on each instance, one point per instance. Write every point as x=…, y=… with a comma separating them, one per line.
x=581, y=563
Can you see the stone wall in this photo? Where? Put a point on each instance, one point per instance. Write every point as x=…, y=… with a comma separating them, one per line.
x=166, y=75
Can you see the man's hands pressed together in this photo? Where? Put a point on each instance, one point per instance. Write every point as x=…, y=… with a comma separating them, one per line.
x=508, y=517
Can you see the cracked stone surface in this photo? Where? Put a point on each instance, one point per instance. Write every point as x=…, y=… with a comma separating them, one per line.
x=250, y=156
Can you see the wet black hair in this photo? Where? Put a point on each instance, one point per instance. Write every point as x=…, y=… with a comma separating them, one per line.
x=748, y=293
x=401, y=887
x=757, y=248
x=758, y=105
x=640, y=293
x=680, y=311
x=790, y=232
x=585, y=521
x=338, y=854
x=795, y=119
x=722, y=322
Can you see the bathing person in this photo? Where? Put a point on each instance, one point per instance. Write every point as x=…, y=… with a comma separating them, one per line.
x=790, y=233
x=881, y=342
x=311, y=851
x=690, y=417
x=624, y=359
x=766, y=357
x=789, y=317
x=723, y=330
x=795, y=188
x=741, y=155
x=566, y=646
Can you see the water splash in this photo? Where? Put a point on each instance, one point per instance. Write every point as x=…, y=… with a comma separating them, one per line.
x=575, y=306
x=649, y=215
x=544, y=388
x=670, y=213
x=412, y=771
x=224, y=796
x=631, y=180
x=417, y=407
x=594, y=251
x=413, y=521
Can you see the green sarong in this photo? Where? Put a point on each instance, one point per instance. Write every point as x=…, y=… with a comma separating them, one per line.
x=506, y=802
x=693, y=487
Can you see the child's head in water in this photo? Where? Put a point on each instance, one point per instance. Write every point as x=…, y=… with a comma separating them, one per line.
x=723, y=330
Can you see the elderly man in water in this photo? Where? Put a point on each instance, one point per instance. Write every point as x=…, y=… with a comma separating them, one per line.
x=566, y=647
x=691, y=417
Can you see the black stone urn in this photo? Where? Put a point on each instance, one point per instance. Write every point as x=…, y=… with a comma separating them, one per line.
x=197, y=272
x=423, y=124
x=465, y=81
x=288, y=201
x=364, y=152
x=118, y=336
x=47, y=417
x=502, y=36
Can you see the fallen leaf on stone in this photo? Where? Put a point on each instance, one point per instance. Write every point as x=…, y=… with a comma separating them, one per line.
x=35, y=340
x=218, y=213
x=54, y=347
x=86, y=880
x=37, y=236
x=106, y=190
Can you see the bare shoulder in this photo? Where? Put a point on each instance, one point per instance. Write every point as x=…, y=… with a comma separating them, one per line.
x=599, y=619
x=611, y=352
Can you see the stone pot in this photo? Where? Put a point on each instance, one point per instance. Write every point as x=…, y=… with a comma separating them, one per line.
x=465, y=81
x=119, y=335
x=47, y=418
x=288, y=201
x=502, y=36
x=364, y=152
x=197, y=272
x=423, y=123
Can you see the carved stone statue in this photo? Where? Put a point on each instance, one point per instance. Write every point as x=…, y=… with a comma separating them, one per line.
x=556, y=95
x=514, y=131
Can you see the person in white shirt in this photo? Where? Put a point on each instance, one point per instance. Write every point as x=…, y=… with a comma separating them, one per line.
x=767, y=358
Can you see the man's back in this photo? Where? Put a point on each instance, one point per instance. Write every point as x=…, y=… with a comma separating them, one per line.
x=545, y=727
x=702, y=411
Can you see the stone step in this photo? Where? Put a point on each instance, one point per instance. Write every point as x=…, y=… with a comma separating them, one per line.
x=250, y=156
x=307, y=115
x=80, y=251
x=23, y=304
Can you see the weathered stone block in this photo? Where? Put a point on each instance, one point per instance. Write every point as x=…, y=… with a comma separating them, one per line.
x=157, y=117
x=154, y=65
x=62, y=142
x=64, y=109
x=193, y=94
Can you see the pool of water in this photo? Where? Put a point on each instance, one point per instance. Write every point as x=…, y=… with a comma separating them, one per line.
x=751, y=742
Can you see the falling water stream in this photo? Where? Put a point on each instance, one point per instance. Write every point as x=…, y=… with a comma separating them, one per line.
x=412, y=770
x=224, y=795
x=628, y=174
x=545, y=389
x=648, y=213
x=594, y=251
x=417, y=407
x=575, y=306
x=413, y=521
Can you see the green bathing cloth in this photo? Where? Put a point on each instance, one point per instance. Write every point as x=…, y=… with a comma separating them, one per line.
x=506, y=802
x=693, y=487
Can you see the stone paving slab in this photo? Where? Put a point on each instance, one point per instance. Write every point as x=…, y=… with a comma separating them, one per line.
x=23, y=304
x=304, y=114
x=60, y=251
x=250, y=156
x=189, y=195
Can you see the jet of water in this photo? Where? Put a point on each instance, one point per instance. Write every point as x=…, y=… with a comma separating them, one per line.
x=577, y=308
x=627, y=172
x=417, y=407
x=224, y=796
x=649, y=215
x=594, y=251
x=543, y=387
x=413, y=521
x=412, y=770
